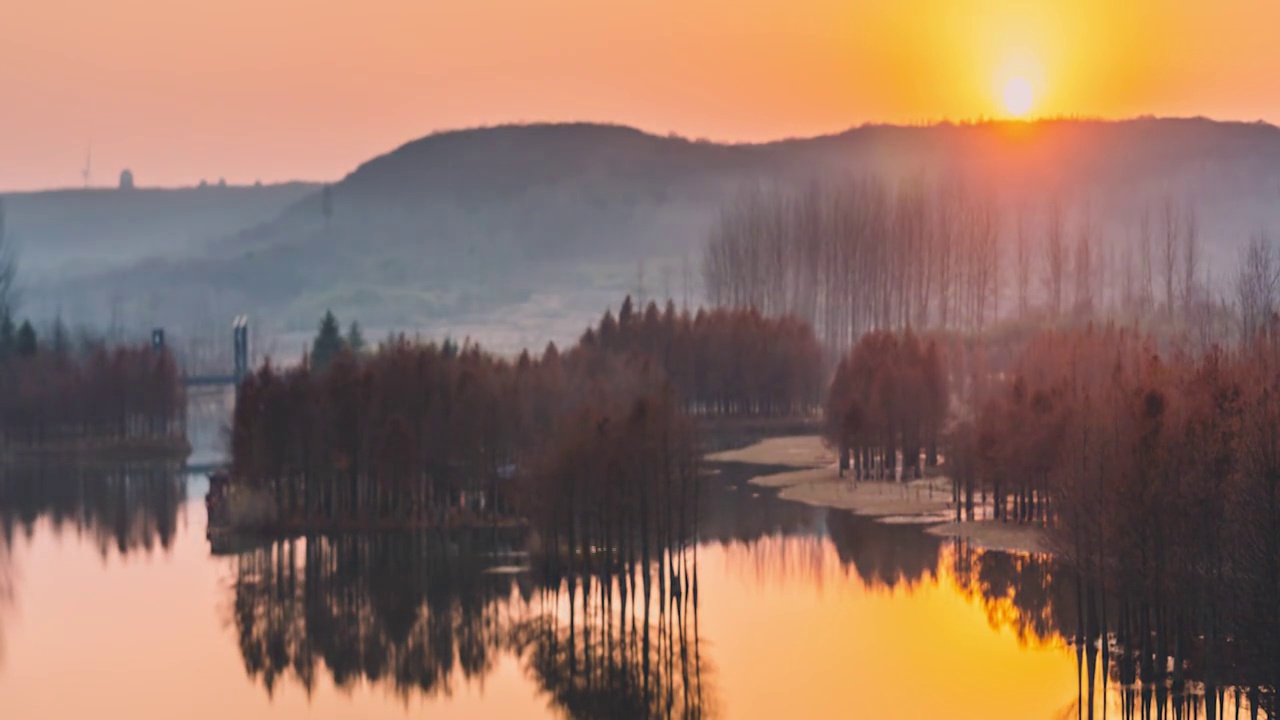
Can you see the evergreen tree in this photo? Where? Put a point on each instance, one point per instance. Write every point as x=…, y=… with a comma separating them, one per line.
x=449, y=348
x=60, y=339
x=328, y=342
x=355, y=339
x=8, y=340
x=25, y=345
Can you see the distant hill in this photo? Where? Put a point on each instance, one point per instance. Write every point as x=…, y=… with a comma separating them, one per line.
x=520, y=233
x=70, y=233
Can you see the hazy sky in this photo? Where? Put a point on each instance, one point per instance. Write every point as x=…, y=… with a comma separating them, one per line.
x=181, y=90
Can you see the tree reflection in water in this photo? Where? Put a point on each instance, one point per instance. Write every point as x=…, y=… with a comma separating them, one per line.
x=6, y=583
x=420, y=611
x=128, y=508
x=423, y=612
x=406, y=609
x=607, y=652
x=1038, y=598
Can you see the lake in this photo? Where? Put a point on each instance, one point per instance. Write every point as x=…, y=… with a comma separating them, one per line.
x=112, y=605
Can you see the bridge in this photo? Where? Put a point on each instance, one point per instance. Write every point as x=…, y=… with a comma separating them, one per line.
x=240, y=355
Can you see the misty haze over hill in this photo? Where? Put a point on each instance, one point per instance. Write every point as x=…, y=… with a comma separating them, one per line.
x=517, y=234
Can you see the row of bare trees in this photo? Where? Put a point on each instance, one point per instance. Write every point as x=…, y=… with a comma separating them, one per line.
x=889, y=395
x=1158, y=475
x=107, y=399
x=853, y=254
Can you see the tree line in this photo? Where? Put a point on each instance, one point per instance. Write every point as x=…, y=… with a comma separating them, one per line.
x=96, y=397
x=724, y=361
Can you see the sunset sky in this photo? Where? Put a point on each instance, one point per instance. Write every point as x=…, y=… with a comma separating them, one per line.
x=180, y=90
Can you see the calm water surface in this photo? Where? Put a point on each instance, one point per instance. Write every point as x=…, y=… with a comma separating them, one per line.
x=112, y=605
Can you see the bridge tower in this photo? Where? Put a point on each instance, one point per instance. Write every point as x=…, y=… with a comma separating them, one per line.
x=240, y=346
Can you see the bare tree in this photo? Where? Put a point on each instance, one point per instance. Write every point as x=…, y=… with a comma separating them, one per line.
x=1085, y=262
x=1172, y=234
x=1148, y=259
x=8, y=270
x=1055, y=256
x=1257, y=286
x=1190, y=255
x=1023, y=258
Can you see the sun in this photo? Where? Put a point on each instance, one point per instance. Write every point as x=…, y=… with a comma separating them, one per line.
x=1018, y=96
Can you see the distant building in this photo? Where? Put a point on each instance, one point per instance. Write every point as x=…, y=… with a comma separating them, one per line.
x=126, y=179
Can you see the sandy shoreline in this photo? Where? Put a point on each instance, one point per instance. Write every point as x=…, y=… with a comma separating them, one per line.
x=816, y=481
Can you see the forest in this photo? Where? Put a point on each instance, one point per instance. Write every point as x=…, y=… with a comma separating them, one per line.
x=595, y=447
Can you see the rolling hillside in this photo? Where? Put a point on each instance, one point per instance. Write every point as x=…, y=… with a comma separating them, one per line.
x=519, y=233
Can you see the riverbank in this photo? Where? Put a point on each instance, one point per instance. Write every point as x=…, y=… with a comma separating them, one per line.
x=816, y=481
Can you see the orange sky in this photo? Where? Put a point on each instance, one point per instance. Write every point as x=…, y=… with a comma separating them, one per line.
x=275, y=89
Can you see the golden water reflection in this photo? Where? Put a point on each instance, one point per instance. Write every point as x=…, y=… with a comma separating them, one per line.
x=794, y=612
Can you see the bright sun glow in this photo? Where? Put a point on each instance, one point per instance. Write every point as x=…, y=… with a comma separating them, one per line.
x=1018, y=96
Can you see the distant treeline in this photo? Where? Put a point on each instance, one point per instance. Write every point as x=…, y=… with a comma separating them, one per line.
x=851, y=255
x=94, y=398
x=1158, y=475
x=722, y=362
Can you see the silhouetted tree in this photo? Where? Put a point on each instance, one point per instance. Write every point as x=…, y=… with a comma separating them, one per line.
x=327, y=344
x=25, y=344
x=355, y=339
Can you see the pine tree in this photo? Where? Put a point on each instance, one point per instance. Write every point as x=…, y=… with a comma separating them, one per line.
x=60, y=341
x=8, y=340
x=449, y=348
x=328, y=342
x=355, y=339
x=26, y=341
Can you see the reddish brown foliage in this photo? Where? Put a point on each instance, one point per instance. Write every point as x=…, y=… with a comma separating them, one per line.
x=1157, y=476
x=722, y=362
x=888, y=395
x=111, y=397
